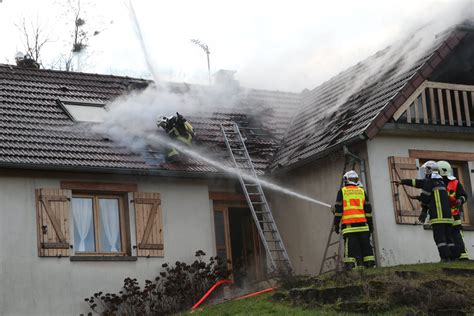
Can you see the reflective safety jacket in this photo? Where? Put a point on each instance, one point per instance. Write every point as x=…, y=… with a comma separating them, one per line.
x=455, y=192
x=353, y=210
x=434, y=198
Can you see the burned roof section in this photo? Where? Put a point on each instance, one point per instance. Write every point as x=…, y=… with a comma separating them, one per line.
x=36, y=132
x=356, y=103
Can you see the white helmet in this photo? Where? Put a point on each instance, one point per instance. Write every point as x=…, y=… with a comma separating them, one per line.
x=428, y=168
x=161, y=121
x=445, y=169
x=351, y=177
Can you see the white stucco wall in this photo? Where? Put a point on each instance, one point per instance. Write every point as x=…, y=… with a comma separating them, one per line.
x=30, y=285
x=403, y=244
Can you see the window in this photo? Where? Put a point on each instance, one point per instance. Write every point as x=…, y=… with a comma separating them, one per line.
x=83, y=111
x=98, y=224
x=93, y=221
x=408, y=209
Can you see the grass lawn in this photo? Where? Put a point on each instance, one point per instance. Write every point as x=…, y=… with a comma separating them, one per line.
x=396, y=293
x=258, y=305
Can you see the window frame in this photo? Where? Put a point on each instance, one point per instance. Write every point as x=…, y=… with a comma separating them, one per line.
x=97, y=104
x=123, y=222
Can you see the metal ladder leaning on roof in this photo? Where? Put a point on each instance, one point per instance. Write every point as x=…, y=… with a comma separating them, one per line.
x=333, y=262
x=256, y=200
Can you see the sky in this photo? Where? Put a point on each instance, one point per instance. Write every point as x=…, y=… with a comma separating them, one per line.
x=274, y=45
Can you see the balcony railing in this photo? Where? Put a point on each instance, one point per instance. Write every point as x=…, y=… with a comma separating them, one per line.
x=438, y=103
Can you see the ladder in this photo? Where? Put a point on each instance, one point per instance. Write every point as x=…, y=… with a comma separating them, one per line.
x=256, y=200
x=333, y=260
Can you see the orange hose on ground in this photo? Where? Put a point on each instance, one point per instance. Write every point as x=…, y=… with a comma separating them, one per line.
x=210, y=291
x=256, y=293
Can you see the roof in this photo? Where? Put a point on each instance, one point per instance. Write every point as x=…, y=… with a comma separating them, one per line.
x=356, y=103
x=36, y=132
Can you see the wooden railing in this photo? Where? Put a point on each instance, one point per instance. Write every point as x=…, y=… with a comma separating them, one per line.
x=439, y=104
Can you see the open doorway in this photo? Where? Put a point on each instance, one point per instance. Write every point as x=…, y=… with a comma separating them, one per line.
x=237, y=240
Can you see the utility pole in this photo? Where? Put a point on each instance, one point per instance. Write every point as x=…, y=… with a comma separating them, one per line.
x=205, y=48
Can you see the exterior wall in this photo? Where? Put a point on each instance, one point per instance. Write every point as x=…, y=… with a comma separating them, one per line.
x=56, y=286
x=305, y=226
x=404, y=244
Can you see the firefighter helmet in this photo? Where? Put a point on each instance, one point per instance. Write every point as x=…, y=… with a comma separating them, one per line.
x=351, y=177
x=428, y=168
x=162, y=121
x=445, y=169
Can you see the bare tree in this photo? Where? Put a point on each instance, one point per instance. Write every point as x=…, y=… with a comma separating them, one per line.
x=34, y=36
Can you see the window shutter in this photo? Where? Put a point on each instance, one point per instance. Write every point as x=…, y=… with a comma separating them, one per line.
x=407, y=210
x=52, y=217
x=148, y=224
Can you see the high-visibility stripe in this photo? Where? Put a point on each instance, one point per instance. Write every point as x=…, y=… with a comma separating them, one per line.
x=413, y=182
x=355, y=229
x=425, y=192
x=464, y=256
x=439, y=209
x=369, y=258
x=457, y=222
x=441, y=244
x=368, y=214
x=338, y=203
x=353, y=216
x=441, y=221
x=338, y=214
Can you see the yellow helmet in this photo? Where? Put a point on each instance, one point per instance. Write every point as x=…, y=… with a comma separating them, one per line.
x=445, y=169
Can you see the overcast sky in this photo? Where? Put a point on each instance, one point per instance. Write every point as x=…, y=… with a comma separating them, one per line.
x=277, y=45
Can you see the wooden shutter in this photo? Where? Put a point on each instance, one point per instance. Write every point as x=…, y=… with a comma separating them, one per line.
x=52, y=217
x=148, y=224
x=407, y=210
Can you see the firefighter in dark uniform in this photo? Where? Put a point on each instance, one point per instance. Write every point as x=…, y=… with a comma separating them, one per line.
x=178, y=128
x=354, y=213
x=435, y=201
x=457, y=197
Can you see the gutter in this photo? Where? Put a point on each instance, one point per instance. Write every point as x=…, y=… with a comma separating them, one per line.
x=135, y=172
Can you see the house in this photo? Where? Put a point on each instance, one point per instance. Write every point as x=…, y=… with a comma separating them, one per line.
x=82, y=212
x=403, y=111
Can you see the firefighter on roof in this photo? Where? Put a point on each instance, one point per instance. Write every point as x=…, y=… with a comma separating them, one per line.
x=178, y=128
x=354, y=212
x=457, y=197
x=434, y=199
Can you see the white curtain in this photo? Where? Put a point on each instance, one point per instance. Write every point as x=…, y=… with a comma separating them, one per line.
x=82, y=213
x=109, y=215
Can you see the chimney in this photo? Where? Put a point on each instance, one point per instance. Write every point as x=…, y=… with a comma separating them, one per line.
x=25, y=61
x=224, y=79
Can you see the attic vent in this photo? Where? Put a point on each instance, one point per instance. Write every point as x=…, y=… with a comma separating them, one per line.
x=80, y=111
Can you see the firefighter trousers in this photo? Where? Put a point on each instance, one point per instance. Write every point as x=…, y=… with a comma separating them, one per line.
x=459, y=241
x=443, y=237
x=358, y=250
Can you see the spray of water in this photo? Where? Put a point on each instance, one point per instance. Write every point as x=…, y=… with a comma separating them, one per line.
x=139, y=33
x=158, y=139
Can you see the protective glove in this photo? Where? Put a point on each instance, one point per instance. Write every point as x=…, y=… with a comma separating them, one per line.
x=422, y=217
x=336, y=228
x=458, y=203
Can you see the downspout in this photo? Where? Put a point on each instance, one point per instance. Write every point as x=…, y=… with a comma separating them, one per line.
x=361, y=162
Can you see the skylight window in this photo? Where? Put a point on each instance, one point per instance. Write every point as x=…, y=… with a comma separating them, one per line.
x=83, y=111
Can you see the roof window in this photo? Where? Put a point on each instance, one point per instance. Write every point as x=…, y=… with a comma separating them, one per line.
x=80, y=111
